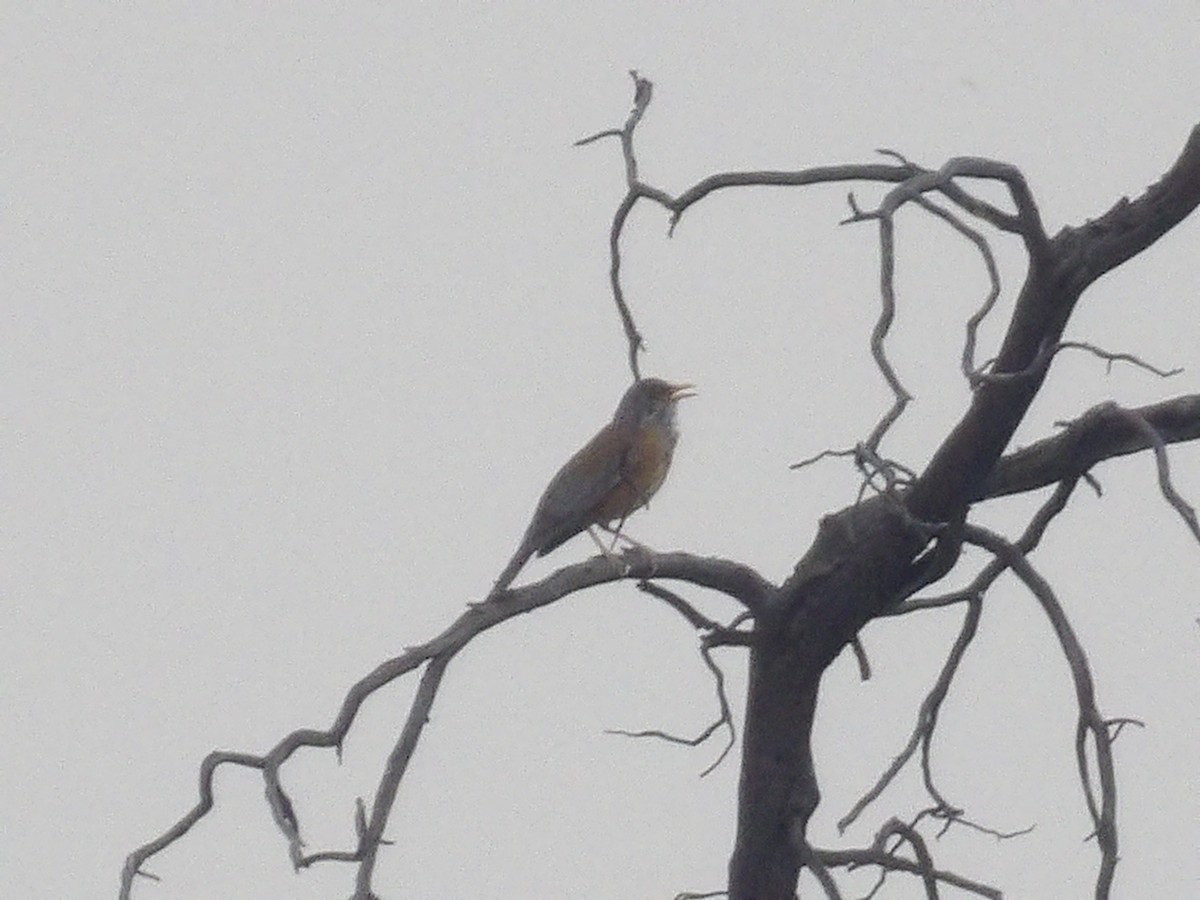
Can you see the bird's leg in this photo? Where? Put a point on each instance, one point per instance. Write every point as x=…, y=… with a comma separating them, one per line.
x=636, y=551
x=635, y=547
x=605, y=551
x=615, y=532
x=619, y=535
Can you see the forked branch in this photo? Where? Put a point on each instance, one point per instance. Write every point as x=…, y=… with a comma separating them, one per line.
x=733, y=579
x=927, y=715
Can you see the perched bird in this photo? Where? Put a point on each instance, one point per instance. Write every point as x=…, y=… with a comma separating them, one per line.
x=613, y=474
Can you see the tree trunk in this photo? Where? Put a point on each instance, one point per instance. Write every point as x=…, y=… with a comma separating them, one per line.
x=860, y=562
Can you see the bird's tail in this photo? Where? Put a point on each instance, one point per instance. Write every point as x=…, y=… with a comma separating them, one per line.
x=510, y=571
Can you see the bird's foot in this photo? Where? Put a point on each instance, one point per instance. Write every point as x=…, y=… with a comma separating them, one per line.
x=640, y=556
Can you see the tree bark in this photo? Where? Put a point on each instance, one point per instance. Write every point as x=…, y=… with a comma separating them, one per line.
x=869, y=555
x=860, y=562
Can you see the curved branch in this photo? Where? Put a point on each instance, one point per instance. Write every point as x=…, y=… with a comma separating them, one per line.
x=724, y=719
x=208, y=767
x=887, y=313
x=1103, y=811
x=995, y=568
x=632, y=335
x=643, y=91
x=1163, y=464
x=993, y=271
x=734, y=579
x=1027, y=222
x=924, y=860
x=927, y=714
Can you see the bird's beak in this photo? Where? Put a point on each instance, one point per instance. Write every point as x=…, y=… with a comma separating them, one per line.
x=682, y=391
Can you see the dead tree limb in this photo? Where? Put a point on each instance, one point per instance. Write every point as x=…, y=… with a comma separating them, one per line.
x=867, y=558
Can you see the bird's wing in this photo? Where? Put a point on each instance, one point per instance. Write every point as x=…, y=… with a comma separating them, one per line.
x=570, y=500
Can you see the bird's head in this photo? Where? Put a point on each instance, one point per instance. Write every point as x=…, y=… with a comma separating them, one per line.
x=652, y=399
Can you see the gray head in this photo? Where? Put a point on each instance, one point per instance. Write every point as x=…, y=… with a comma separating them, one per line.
x=650, y=400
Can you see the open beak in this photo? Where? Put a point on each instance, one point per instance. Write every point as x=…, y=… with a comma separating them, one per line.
x=682, y=391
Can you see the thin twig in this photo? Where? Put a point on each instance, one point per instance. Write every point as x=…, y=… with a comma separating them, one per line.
x=695, y=618
x=887, y=313
x=993, y=272
x=952, y=817
x=872, y=856
x=1048, y=351
x=1119, y=723
x=1027, y=221
x=824, y=454
x=724, y=718
x=643, y=91
x=860, y=656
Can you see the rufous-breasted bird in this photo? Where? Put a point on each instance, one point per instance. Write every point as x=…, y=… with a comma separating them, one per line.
x=613, y=474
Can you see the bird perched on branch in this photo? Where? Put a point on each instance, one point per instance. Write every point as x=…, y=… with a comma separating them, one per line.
x=613, y=474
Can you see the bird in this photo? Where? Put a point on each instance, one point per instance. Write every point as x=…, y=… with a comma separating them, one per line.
x=611, y=476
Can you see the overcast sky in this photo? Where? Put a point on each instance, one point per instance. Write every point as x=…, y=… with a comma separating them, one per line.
x=302, y=307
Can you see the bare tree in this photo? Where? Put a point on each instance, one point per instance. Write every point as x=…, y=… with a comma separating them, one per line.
x=873, y=558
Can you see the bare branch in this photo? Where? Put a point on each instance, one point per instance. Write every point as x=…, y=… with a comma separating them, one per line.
x=873, y=856
x=695, y=618
x=133, y=864
x=1057, y=275
x=1118, y=725
x=591, y=139
x=880, y=474
x=813, y=863
x=1101, y=433
x=724, y=718
x=860, y=656
x=1049, y=351
x=1028, y=541
x=887, y=313
x=927, y=714
x=632, y=335
x=1111, y=358
x=1129, y=227
x=1103, y=811
x=734, y=579
x=824, y=454
x=951, y=817
x=397, y=764
x=1181, y=506
x=1027, y=222
x=924, y=860
x=989, y=262
x=643, y=90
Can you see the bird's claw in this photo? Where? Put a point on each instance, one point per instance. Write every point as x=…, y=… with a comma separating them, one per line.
x=639, y=555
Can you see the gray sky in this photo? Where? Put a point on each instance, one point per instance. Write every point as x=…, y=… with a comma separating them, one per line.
x=302, y=308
